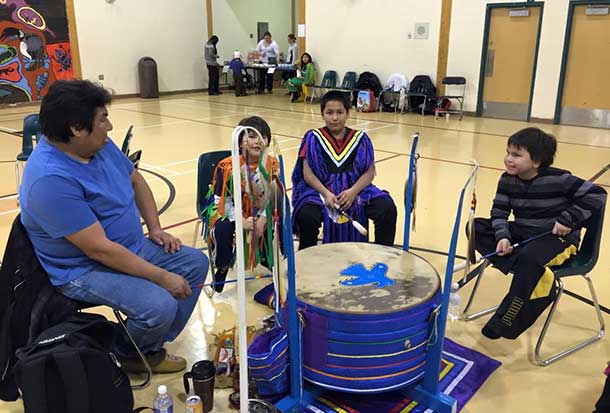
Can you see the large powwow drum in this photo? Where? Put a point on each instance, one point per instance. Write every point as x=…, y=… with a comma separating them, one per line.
x=368, y=315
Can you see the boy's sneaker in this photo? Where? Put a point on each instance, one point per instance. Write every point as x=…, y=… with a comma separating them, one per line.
x=219, y=279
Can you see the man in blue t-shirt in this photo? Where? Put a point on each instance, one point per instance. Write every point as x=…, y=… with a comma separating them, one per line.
x=81, y=202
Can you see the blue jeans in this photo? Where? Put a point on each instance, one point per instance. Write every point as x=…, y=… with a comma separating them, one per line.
x=154, y=316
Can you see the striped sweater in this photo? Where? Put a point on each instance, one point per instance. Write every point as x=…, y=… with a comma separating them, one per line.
x=554, y=195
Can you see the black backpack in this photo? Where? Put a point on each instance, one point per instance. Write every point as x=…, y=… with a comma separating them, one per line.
x=69, y=368
x=367, y=81
x=422, y=84
x=29, y=304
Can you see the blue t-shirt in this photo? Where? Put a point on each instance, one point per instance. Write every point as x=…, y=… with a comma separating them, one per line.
x=60, y=196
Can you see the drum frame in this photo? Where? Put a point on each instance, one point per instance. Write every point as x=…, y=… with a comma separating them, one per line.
x=427, y=392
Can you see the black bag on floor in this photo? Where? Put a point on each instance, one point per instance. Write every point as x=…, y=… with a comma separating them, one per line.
x=29, y=304
x=69, y=368
x=423, y=85
x=603, y=404
x=366, y=81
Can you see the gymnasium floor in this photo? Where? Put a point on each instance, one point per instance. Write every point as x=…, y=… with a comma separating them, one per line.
x=175, y=130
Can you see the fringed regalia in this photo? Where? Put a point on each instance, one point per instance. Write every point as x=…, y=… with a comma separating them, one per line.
x=255, y=197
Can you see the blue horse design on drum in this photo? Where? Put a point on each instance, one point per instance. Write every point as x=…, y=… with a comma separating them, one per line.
x=359, y=275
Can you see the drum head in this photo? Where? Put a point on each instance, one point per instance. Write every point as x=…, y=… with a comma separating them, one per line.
x=363, y=278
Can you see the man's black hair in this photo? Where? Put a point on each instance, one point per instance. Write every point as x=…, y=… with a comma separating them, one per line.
x=71, y=103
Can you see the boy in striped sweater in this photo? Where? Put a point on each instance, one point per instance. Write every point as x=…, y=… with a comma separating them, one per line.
x=541, y=199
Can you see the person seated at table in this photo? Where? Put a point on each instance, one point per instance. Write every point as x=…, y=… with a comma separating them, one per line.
x=334, y=172
x=307, y=77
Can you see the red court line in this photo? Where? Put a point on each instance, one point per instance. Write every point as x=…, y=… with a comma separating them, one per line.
x=300, y=138
x=393, y=122
x=377, y=150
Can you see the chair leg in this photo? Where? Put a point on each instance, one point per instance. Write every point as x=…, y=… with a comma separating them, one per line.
x=146, y=382
x=314, y=94
x=17, y=178
x=602, y=328
x=470, y=317
x=197, y=225
x=209, y=290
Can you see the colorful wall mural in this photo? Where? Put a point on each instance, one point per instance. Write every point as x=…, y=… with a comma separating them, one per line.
x=34, y=48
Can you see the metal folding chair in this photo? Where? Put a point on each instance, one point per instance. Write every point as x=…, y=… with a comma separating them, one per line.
x=329, y=81
x=581, y=264
x=205, y=173
x=455, y=81
x=31, y=133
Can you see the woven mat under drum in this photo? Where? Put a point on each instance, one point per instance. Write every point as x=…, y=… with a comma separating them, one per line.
x=463, y=372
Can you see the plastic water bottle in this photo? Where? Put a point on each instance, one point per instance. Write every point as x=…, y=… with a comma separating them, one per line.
x=163, y=402
x=454, y=302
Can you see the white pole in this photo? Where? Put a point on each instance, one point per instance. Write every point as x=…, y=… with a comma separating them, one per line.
x=472, y=180
x=241, y=282
x=241, y=271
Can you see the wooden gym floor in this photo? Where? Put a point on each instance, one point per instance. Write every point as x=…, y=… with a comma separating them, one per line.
x=173, y=131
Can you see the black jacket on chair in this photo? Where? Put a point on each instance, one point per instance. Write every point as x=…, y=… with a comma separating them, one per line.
x=29, y=304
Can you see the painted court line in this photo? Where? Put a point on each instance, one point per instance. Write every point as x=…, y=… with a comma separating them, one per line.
x=380, y=127
x=379, y=150
x=241, y=114
x=9, y=130
x=179, y=162
x=154, y=125
x=12, y=211
x=159, y=168
x=420, y=126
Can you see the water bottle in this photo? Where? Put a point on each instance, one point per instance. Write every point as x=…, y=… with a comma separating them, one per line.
x=163, y=402
x=454, y=302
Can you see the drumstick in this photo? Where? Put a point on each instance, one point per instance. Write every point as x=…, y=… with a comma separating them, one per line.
x=491, y=254
x=231, y=281
x=355, y=223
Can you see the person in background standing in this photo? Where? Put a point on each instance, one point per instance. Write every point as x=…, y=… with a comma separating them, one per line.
x=237, y=67
x=210, y=54
x=291, y=57
x=268, y=49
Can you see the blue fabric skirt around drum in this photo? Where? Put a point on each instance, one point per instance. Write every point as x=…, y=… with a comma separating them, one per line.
x=268, y=362
x=364, y=353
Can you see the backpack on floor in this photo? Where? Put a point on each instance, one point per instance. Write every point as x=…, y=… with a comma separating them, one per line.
x=366, y=101
x=389, y=102
x=444, y=104
x=70, y=368
x=422, y=84
x=367, y=81
x=29, y=304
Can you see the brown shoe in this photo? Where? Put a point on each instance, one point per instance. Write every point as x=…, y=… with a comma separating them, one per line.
x=160, y=362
